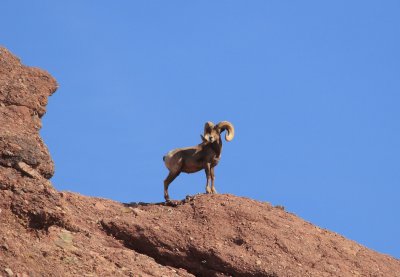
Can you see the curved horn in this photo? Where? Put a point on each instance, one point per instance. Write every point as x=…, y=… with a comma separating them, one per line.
x=226, y=125
x=208, y=127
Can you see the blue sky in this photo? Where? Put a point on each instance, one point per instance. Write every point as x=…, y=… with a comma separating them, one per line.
x=312, y=88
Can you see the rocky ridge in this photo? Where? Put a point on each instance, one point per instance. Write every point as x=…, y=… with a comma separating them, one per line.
x=44, y=232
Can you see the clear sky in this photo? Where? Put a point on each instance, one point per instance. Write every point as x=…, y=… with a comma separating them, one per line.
x=312, y=88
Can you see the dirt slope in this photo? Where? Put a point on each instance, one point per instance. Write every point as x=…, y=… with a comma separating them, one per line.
x=44, y=232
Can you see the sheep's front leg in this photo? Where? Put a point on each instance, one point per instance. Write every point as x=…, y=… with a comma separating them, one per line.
x=208, y=175
x=171, y=176
x=213, y=190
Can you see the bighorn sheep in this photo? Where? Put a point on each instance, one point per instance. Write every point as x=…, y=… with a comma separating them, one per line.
x=205, y=155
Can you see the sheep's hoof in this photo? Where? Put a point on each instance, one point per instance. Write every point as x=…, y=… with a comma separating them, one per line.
x=171, y=203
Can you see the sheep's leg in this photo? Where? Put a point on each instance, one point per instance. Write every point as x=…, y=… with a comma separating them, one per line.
x=171, y=176
x=208, y=175
x=212, y=181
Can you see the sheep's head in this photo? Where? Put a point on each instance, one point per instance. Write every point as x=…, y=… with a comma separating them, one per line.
x=213, y=132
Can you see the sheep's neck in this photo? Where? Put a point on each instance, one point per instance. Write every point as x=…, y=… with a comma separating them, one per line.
x=217, y=147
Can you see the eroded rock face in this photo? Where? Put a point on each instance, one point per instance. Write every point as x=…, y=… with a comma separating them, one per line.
x=21, y=85
x=44, y=232
x=23, y=99
x=225, y=235
x=41, y=234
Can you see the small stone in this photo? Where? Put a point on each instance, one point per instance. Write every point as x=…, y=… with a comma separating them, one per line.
x=5, y=246
x=25, y=168
x=65, y=240
x=9, y=272
x=137, y=211
x=258, y=262
x=99, y=206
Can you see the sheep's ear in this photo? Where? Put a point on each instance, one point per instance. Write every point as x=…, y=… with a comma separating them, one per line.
x=203, y=138
x=208, y=127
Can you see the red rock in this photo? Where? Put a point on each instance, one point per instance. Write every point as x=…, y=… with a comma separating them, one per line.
x=44, y=232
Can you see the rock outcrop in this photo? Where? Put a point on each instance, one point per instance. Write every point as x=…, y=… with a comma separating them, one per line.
x=23, y=99
x=44, y=232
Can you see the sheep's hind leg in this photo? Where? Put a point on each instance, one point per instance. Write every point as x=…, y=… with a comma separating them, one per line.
x=171, y=176
x=213, y=190
x=208, y=175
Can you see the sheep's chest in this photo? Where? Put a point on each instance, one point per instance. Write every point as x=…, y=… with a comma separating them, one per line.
x=215, y=161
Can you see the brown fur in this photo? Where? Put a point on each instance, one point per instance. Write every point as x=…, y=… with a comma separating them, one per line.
x=205, y=155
